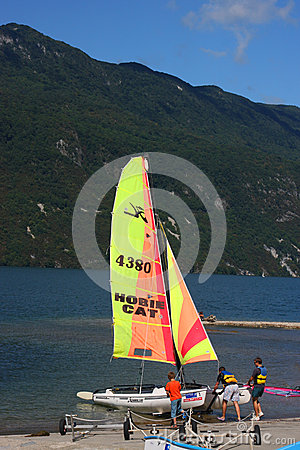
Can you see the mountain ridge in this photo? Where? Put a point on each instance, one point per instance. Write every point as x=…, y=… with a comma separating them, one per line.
x=65, y=114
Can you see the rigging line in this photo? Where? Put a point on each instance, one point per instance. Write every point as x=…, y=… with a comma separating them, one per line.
x=182, y=375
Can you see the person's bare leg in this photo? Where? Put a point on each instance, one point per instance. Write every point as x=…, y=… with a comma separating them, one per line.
x=224, y=407
x=260, y=413
x=237, y=408
x=255, y=404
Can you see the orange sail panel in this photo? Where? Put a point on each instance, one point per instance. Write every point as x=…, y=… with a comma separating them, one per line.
x=141, y=318
x=190, y=338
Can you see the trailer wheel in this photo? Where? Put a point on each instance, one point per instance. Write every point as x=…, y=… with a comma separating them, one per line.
x=62, y=427
x=194, y=426
x=126, y=428
x=182, y=435
x=257, y=435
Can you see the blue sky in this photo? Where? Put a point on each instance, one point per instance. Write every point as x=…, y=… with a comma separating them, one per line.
x=248, y=47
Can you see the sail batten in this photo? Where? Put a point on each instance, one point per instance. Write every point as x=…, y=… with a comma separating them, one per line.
x=143, y=290
x=152, y=324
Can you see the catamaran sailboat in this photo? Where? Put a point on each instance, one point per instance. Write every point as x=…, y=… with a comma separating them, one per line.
x=154, y=316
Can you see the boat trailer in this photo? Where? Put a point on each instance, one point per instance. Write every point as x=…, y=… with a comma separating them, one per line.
x=82, y=427
x=158, y=431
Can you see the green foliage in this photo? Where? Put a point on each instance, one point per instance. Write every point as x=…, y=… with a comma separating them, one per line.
x=63, y=115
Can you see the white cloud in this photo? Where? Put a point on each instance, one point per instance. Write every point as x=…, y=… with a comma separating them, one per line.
x=243, y=38
x=213, y=52
x=235, y=12
x=238, y=16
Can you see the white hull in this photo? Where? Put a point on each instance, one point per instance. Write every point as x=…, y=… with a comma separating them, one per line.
x=245, y=397
x=156, y=401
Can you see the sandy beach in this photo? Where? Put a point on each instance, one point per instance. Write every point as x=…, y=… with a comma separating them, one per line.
x=274, y=434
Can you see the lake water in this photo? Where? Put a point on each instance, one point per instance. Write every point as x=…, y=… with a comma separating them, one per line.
x=56, y=339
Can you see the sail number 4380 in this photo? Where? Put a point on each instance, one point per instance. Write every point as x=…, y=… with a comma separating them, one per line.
x=137, y=264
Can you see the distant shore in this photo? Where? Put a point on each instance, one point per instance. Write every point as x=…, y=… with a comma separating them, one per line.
x=253, y=324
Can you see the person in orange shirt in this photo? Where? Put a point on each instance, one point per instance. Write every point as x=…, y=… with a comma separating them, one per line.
x=173, y=391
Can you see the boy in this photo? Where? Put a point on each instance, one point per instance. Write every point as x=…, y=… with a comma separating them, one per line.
x=173, y=391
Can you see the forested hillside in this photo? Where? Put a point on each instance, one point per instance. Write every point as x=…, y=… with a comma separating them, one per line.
x=63, y=115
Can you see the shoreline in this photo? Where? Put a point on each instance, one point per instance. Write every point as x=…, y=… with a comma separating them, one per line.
x=253, y=324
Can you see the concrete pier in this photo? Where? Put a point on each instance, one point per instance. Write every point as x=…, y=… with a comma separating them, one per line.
x=253, y=324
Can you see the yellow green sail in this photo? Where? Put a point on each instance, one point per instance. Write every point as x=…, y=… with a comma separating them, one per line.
x=190, y=338
x=141, y=318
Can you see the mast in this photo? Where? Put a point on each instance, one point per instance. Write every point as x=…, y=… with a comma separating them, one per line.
x=164, y=261
x=162, y=245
